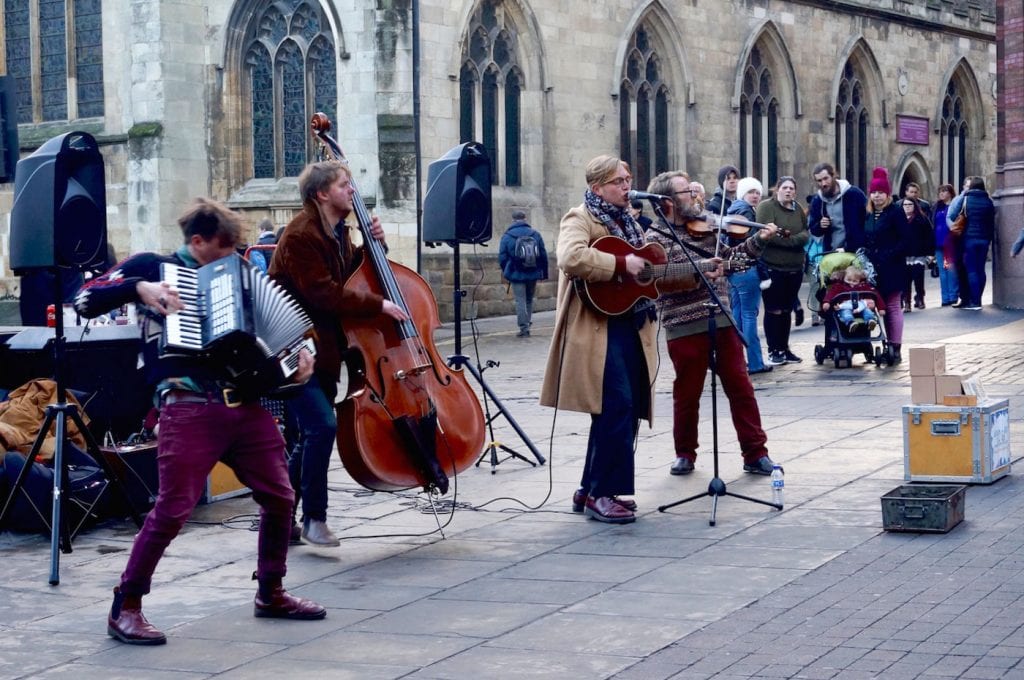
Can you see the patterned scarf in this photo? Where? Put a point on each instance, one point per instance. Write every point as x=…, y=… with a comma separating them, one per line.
x=611, y=216
x=620, y=223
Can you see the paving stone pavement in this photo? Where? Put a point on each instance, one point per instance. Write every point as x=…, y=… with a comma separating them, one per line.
x=520, y=587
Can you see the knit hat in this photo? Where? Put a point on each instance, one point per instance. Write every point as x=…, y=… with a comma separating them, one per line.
x=748, y=184
x=518, y=215
x=880, y=181
x=724, y=172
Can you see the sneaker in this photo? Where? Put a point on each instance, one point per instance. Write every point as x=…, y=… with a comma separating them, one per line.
x=523, y=334
x=815, y=319
x=798, y=316
x=856, y=325
x=318, y=533
x=972, y=308
x=872, y=325
x=791, y=358
x=776, y=358
x=767, y=368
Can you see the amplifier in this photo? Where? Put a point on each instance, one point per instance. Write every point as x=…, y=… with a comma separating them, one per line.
x=136, y=469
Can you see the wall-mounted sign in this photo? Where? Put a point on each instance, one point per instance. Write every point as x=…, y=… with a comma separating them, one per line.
x=912, y=129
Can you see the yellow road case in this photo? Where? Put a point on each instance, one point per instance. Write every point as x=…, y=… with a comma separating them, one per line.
x=956, y=443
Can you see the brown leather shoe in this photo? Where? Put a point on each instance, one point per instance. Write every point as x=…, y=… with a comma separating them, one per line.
x=282, y=605
x=127, y=623
x=605, y=509
x=579, y=498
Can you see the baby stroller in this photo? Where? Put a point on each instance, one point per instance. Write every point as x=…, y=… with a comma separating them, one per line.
x=841, y=341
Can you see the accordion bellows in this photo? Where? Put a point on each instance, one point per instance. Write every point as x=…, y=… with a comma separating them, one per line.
x=238, y=317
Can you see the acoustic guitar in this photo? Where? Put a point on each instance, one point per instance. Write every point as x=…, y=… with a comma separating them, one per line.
x=618, y=295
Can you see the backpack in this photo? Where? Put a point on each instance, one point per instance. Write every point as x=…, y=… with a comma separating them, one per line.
x=526, y=251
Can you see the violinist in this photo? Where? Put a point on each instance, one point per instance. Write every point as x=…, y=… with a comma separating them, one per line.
x=313, y=259
x=684, y=315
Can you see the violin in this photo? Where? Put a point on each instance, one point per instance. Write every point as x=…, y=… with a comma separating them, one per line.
x=408, y=419
x=730, y=225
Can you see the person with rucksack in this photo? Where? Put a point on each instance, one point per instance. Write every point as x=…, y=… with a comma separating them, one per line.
x=524, y=262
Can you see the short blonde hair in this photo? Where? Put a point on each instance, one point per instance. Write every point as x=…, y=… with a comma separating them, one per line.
x=604, y=168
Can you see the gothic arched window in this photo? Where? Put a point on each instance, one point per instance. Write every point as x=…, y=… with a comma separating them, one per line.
x=851, y=129
x=759, y=122
x=59, y=72
x=290, y=71
x=490, y=87
x=643, y=110
x=953, y=135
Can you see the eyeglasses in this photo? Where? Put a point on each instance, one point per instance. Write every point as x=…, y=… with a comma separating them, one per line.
x=692, y=192
x=619, y=181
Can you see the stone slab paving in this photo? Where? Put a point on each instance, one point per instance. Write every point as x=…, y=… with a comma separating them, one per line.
x=520, y=587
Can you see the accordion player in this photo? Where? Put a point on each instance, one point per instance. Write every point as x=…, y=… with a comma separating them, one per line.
x=238, y=317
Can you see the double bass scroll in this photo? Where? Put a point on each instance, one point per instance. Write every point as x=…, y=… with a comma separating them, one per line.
x=408, y=419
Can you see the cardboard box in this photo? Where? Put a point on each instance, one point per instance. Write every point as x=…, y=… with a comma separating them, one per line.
x=946, y=385
x=959, y=400
x=922, y=389
x=928, y=360
x=963, y=444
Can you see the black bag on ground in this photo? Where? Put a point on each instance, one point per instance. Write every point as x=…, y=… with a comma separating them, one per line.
x=89, y=496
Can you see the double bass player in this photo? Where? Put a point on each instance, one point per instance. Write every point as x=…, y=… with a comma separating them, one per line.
x=313, y=259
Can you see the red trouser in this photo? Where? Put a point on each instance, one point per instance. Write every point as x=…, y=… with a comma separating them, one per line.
x=689, y=356
x=192, y=438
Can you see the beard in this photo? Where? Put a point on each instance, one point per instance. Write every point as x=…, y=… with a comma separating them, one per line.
x=832, y=190
x=688, y=211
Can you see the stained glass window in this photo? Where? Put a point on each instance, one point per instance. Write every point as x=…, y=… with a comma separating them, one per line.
x=851, y=128
x=43, y=53
x=954, y=133
x=490, y=87
x=643, y=110
x=759, y=117
x=292, y=73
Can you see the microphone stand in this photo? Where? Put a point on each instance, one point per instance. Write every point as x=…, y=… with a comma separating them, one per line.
x=716, y=488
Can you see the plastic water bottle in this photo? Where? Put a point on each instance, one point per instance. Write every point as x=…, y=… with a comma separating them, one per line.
x=778, y=484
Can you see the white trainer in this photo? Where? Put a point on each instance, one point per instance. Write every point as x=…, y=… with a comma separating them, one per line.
x=318, y=533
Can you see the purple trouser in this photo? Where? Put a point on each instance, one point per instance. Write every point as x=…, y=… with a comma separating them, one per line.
x=192, y=438
x=689, y=356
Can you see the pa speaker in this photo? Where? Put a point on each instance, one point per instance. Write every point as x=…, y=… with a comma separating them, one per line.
x=457, y=205
x=59, y=217
x=8, y=128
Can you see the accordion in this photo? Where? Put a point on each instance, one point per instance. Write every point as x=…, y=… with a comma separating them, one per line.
x=240, y=319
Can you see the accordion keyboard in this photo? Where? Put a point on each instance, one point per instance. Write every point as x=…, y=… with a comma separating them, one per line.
x=184, y=329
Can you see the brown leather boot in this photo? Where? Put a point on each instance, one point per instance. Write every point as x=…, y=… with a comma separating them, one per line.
x=127, y=623
x=274, y=602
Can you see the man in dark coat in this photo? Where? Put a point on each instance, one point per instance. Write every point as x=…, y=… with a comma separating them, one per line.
x=523, y=264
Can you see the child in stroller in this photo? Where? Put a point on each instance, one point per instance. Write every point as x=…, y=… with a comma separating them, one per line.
x=855, y=300
x=845, y=334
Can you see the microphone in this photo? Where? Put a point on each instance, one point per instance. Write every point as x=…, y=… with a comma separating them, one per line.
x=641, y=195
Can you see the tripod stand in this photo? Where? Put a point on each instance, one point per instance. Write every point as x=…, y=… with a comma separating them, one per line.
x=59, y=412
x=716, y=488
x=459, y=360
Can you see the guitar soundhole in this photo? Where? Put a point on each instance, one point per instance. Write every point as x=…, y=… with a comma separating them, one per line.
x=646, y=276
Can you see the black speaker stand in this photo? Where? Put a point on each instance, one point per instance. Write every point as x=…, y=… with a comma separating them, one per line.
x=460, y=360
x=59, y=412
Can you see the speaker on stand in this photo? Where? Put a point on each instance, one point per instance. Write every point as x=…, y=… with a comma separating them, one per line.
x=59, y=227
x=457, y=209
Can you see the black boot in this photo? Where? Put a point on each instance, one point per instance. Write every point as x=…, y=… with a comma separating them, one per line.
x=896, y=356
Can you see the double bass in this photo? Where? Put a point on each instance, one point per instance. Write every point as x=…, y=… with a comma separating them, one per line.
x=408, y=419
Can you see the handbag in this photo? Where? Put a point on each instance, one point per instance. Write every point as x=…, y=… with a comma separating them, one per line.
x=960, y=223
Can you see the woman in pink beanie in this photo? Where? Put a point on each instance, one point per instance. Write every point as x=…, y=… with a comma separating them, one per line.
x=886, y=242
